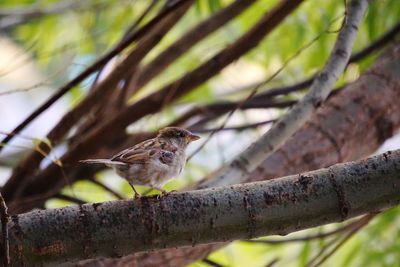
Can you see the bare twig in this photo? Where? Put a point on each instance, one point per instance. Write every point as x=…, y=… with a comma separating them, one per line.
x=272, y=262
x=234, y=128
x=139, y=20
x=361, y=223
x=4, y=229
x=342, y=229
x=108, y=189
x=212, y=263
x=70, y=199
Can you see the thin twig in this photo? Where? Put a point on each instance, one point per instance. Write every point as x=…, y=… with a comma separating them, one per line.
x=359, y=224
x=272, y=262
x=108, y=189
x=212, y=263
x=234, y=128
x=70, y=199
x=4, y=229
x=342, y=229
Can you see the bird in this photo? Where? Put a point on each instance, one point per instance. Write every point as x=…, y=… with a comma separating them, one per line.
x=152, y=162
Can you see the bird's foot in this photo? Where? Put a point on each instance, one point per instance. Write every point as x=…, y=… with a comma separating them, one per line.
x=136, y=194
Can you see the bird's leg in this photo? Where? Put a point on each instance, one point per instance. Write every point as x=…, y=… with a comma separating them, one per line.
x=137, y=195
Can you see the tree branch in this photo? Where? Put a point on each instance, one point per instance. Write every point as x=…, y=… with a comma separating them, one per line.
x=278, y=206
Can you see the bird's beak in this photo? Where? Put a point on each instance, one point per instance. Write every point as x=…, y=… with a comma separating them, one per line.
x=193, y=137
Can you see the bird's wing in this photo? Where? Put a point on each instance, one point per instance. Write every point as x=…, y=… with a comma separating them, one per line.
x=142, y=152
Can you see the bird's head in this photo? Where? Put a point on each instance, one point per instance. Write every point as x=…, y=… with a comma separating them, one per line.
x=178, y=135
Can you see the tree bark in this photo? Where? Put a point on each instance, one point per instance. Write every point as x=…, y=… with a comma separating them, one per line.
x=278, y=206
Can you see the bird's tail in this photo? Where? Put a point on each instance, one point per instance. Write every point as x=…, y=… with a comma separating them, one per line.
x=102, y=161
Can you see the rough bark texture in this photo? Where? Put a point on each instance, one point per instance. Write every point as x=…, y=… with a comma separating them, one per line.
x=278, y=206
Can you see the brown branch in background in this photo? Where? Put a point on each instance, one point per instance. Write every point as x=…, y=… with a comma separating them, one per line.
x=187, y=41
x=215, y=110
x=105, y=187
x=139, y=20
x=212, y=263
x=4, y=232
x=70, y=199
x=357, y=227
x=383, y=40
x=253, y=103
x=234, y=128
x=343, y=229
x=94, y=67
x=272, y=262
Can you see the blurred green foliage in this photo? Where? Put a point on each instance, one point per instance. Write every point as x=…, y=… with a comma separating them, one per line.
x=65, y=43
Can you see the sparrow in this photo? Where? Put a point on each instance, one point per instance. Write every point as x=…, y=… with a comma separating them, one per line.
x=152, y=162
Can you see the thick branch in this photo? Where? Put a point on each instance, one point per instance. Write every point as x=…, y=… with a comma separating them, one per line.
x=255, y=154
x=277, y=206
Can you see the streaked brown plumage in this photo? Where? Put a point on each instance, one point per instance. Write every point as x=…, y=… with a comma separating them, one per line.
x=152, y=162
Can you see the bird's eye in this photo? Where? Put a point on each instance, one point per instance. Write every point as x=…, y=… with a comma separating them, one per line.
x=181, y=134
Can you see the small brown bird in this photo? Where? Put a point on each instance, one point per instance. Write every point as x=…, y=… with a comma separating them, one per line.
x=152, y=162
